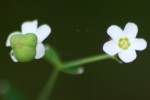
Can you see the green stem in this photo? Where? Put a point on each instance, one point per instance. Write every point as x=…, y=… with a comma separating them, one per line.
x=47, y=90
x=90, y=60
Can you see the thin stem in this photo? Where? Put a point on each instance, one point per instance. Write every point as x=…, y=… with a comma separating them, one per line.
x=47, y=90
x=89, y=60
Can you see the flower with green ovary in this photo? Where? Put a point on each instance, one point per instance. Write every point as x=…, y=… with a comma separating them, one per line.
x=27, y=44
x=124, y=42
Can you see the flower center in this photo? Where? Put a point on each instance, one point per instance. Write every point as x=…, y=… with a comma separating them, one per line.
x=124, y=43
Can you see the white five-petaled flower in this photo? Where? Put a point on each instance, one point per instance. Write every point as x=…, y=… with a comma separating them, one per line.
x=124, y=42
x=41, y=33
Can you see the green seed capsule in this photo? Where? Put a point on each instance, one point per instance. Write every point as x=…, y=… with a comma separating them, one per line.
x=25, y=54
x=24, y=46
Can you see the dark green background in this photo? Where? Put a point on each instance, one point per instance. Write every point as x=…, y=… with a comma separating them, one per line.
x=78, y=30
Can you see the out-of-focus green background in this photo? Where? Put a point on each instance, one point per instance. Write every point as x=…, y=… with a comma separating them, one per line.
x=78, y=30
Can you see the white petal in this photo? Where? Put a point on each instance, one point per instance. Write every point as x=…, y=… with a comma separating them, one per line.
x=115, y=32
x=131, y=30
x=8, y=44
x=111, y=48
x=139, y=44
x=29, y=27
x=43, y=32
x=13, y=56
x=40, y=51
x=128, y=56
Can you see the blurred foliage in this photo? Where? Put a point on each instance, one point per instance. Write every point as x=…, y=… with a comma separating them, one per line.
x=8, y=92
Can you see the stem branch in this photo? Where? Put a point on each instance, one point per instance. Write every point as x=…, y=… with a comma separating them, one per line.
x=89, y=60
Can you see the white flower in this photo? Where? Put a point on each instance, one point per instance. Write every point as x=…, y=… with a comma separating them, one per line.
x=124, y=42
x=41, y=32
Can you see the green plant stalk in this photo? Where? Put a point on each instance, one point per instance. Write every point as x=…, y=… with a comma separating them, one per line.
x=47, y=90
x=89, y=60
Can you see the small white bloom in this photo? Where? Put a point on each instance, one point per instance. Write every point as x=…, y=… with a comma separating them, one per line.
x=41, y=32
x=124, y=42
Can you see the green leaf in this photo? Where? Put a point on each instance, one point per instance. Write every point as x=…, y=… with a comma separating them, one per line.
x=76, y=70
x=52, y=56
